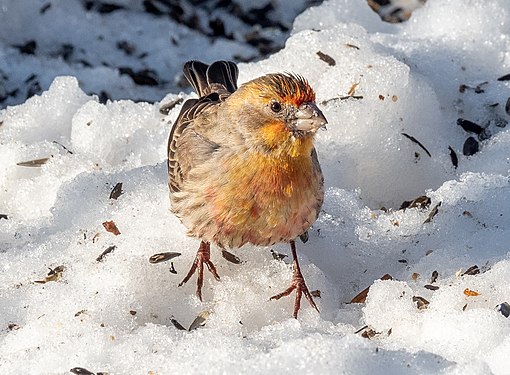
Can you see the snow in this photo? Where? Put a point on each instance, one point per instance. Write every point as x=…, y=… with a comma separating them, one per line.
x=115, y=315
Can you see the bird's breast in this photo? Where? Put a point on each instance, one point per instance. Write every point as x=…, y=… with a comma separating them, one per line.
x=263, y=200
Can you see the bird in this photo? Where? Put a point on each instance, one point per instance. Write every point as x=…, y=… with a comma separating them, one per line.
x=242, y=165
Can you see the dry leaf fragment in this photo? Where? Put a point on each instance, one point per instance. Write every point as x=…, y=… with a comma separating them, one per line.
x=232, y=258
x=106, y=252
x=111, y=227
x=470, y=293
x=80, y=313
x=352, y=90
x=362, y=296
x=199, y=320
x=415, y=276
x=54, y=275
x=163, y=257
x=116, y=191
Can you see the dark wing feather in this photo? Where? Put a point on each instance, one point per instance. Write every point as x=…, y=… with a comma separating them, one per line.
x=196, y=74
x=183, y=131
x=213, y=84
x=218, y=77
x=224, y=73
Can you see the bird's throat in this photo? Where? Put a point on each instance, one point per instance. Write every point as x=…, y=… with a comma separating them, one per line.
x=280, y=142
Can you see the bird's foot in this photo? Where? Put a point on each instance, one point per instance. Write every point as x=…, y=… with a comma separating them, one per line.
x=203, y=256
x=297, y=283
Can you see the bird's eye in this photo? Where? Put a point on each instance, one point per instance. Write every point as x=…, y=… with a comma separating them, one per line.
x=276, y=107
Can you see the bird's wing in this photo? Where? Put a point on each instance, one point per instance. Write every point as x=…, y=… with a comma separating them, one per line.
x=190, y=141
x=186, y=146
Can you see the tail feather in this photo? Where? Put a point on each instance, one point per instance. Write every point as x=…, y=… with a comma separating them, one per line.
x=196, y=73
x=206, y=79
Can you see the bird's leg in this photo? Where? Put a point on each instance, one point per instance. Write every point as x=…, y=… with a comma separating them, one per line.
x=203, y=256
x=298, y=283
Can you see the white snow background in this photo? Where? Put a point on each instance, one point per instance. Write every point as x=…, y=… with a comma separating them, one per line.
x=115, y=315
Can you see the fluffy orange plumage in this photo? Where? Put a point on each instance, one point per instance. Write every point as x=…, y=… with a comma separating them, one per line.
x=242, y=166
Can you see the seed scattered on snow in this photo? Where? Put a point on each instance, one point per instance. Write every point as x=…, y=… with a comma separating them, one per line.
x=278, y=256
x=362, y=296
x=434, y=276
x=326, y=58
x=81, y=371
x=421, y=302
x=33, y=163
x=116, y=191
x=473, y=270
x=504, y=308
x=199, y=320
x=163, y=257
x=232, y=258
x=431, y=287
x=106, y=252
x=54, y=275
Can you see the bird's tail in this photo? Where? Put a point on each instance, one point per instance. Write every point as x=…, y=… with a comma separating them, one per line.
x=205, y=79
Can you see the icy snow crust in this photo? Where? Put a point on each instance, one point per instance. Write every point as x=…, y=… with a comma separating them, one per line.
x=115, y=315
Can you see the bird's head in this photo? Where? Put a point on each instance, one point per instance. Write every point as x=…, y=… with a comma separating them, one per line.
x=278, y=112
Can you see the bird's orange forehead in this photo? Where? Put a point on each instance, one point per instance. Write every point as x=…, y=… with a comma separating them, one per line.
x=288, y=88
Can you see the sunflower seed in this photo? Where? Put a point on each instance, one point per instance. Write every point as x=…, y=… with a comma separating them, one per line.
x=230, y=257
x=116, y=191
x=163, y=257
x=106, y=252
x=199, y=320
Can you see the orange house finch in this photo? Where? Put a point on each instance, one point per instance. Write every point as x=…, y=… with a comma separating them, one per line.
x=242, y=166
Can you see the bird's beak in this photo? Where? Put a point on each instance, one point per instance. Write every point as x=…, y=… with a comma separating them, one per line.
x=309, y=118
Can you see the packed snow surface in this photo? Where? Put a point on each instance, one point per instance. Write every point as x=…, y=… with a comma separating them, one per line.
x=393, y=95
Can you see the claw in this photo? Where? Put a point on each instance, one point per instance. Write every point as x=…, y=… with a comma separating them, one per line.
x=298, y=283
x=203, y=256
